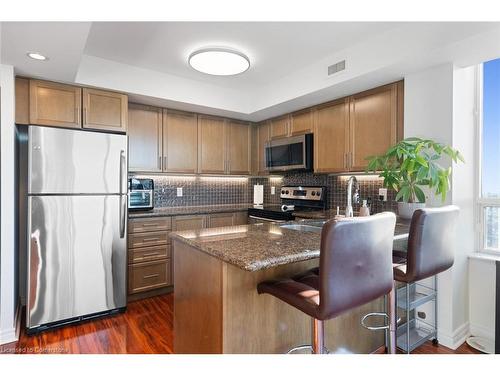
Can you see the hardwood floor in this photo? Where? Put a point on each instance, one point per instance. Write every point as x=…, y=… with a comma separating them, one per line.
x=146, y=327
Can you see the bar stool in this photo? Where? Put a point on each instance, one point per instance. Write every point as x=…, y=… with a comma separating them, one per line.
x=355, y=268
x=430, y=251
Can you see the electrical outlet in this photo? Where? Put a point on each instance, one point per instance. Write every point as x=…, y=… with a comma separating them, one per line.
x=273, y=190
x=382, y=194
x=179, y=192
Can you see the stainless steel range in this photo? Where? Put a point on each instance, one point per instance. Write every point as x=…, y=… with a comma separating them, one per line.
x=295, y=201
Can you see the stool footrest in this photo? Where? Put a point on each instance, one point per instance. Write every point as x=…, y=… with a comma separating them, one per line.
x=375, y=328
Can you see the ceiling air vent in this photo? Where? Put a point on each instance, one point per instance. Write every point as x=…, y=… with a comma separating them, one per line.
x=336, y=67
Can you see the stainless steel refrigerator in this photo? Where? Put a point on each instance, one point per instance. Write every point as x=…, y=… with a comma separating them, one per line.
x=76, y=207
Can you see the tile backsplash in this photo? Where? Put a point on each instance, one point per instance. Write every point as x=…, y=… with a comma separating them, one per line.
x=200, y=190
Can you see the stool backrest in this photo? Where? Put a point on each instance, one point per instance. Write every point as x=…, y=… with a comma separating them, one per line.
x=431, y=242
x=355, y=262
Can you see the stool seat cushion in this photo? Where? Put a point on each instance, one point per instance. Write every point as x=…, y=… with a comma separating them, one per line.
x=301, y=296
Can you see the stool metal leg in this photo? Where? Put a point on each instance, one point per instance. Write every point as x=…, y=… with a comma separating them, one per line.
x=408, y=318
x=318, y=336
x=391, y=311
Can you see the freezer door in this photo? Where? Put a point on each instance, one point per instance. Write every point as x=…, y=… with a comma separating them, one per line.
x=63, y=161
x=77, y=249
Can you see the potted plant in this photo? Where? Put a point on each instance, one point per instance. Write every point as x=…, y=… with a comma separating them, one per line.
x=412, y=164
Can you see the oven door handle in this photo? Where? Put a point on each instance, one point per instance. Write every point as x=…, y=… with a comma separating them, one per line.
x=266, y=219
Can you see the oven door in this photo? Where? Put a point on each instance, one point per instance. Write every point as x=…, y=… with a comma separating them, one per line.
x=140, y=200
x=292, y=153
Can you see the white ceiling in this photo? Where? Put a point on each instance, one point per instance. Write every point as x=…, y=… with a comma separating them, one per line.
x=275, y=49
x=289, y=59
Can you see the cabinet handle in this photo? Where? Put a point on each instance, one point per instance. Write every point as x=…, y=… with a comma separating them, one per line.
x=85, y=115
x=350, y=160
x=151, y=239
x=149, y=225
x=165, y=162
x=151, y=254
x=159, y=163
x=151, y=276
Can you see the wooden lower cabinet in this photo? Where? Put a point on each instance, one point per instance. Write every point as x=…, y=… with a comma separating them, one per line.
x=146, y=276
x=150, y=255
x=221, y=220
x=191, y=222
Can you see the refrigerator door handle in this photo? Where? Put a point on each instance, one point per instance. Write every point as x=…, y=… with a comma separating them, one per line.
x=123, y=215
x=122, y=167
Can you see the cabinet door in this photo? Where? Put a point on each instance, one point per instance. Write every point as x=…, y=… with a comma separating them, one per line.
x=144, y=138
x=331, y=137
x=373, y=124
x=180, y=142
x=22, y=101
x=262, y=139
x=239, y=147
x=104, y=110
x=301, y=122
x=211, y=149
x=240, y=218
x=191, y=222
x=221, y=220
x=55, y=104
x=279, y=127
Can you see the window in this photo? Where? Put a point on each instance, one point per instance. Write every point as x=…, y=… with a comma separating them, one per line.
x=489, y=201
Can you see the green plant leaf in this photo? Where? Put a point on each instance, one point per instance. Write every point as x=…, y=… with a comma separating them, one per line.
x=420, y=194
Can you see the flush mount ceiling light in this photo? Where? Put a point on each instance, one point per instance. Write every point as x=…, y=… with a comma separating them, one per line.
x=36, y=56
x=219, y=61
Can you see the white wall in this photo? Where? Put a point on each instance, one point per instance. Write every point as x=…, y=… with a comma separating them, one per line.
x=439, y=105
x=8, y=299
x=482, y=276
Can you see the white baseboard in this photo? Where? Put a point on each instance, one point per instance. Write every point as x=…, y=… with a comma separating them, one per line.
x=479, y=330
x=8, y=335
x=12, y=334
x=457, y=338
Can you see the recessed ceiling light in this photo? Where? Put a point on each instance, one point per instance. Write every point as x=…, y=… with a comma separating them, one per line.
x=219, y=61
x=36, y=56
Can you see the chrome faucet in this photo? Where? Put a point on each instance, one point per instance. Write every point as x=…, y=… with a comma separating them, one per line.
x=350, y=196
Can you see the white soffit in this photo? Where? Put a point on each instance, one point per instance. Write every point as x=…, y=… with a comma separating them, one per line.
x=62, y=42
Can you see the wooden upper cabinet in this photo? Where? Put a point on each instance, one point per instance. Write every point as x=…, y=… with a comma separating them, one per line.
x=373, y=124
x=180, y=142
x=239, y=147
x=211, y=145
x=279, y=127
x=262, y=139
x=104, y=110
x=301, y=122
x=331, y=137
x=144, y=131
x=22, y=101
x=55, y=104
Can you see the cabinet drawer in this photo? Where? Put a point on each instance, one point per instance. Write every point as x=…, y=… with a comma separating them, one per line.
x=136, y=240
x=145, y=254
x=149, y=225
x=148, y=276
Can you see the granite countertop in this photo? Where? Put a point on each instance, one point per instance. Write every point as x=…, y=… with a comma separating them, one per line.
x=189, y=210
x=263, y=245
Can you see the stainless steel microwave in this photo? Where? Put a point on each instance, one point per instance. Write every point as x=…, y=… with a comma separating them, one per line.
x=291, y=153
x=140, y=194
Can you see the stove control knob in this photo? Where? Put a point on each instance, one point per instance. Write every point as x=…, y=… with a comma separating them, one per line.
x=282, y=191
x=318, y=193
x=313, y=193
x=287, y=192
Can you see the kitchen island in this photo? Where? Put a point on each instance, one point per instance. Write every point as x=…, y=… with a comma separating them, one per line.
x=216, y=305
